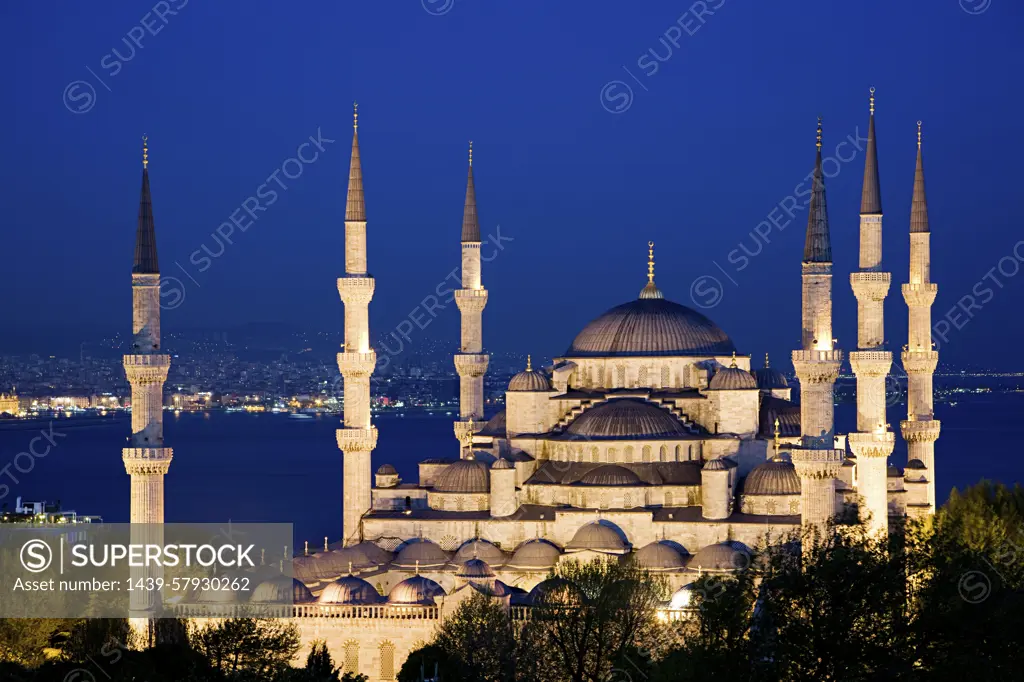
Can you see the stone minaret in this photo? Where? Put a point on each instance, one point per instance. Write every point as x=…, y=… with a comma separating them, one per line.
x=471, y=361
x=920, y=429
x=816, y=460
x=873, y=442
x=358, y=437
x=146, y=459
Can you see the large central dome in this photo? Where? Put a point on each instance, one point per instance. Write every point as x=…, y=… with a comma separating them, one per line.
x=651, y=326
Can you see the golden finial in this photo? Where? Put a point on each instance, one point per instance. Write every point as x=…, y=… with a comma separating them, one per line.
x=529, y=364
x=776, y=437
x=417, y=567
x=471, y=153
x=305, y=549
x=733, y=365
x=918, y=134
x=145, y=151
x=766, y=361
x=650, y=262
x=819, y=133
x=325, y=543
x=350, y=568
x=872, y=100
x=355, y=115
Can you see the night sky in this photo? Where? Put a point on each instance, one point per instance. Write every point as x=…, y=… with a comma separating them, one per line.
x=580, y=172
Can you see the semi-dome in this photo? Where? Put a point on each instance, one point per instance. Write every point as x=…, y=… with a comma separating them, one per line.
x=480, y=549
x=660, y=556
x=731, y=379
x=416, y=590
x=528, y=380
x=474, y=569
x=650, y=326
x=715, y=464
x=536, y=555
x=422, y=554
x=502, y=463
x=552, y=588
x=599, y=537
x=776, y=477
x=281, y=590
x=464, y=476
x=349, y=590
x=624, y=418
x=610, y=474
x=722, y=556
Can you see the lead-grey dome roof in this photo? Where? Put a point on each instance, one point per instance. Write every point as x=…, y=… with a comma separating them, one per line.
x=769, y=378
x=599, y=537
x=772, y=478
x=723, y=556
x=480, y=549
x=650, y=326
x=349, y=590
x=415, y=590
x=732, y=378
x=529, y=380
x=610, y=474
x=281, y=590
x=474, y=568
x=623, y=418
x=535, y=554
x=464, y=476
x=659, y=556
x=421, y=553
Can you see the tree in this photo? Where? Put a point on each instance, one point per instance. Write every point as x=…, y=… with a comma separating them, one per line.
x=430, y=661
x=480, y=638
x=257, y=648
x=596, y=620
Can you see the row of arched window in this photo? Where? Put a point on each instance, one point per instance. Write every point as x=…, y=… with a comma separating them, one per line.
x=387, y=659
x=599, y=377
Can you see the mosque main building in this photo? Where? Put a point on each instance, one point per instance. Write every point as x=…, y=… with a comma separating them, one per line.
x=651, y=437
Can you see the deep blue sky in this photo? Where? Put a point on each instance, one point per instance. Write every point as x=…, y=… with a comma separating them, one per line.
x=711, y=142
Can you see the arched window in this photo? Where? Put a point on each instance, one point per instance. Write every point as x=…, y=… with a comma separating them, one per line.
x=664, y=377
x=679, y=453
x=594, y=456
x=647, y=453
x=621, y=376
x=583, y=500
x=629, y=454
x=627, y=501
x=613, y=455
x=351, y=657
x=604, y=500
x=642, y=376
x=663, y=453
x=600, y=377
x=689, y=452
x=387, y=661
x=668, y=498
x=458, y=503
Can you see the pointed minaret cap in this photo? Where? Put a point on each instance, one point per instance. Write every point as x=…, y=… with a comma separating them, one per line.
x=919, y=206
x=145, y=262
x=355, y=206
x=871, y=197
x=818, y=244
x=470, y=222
x=650, y=290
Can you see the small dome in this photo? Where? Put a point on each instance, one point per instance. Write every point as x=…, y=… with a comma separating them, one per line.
x=660, y=556
x=716, y=464
x=529, y=381
x=610, y=474
x=349, y=590
x=894, y=472
x=552, y=588
x=480, y=549
x=626, y=418
x=723, y=556
x=415, y=590
x=495, y=426
x=916, y=464
x=775, y=477
x=536, y=554
x=599, y=537
x=769, y=378
x=387, y=470
x=464, y=476
x=474, y=568
x=650, y=326
x=502, y=463
x=732, y=378
x=425, y=552
x=281, y=590
x=682, y=598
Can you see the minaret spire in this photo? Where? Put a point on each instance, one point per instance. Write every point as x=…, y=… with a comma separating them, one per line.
x=818, y=243
x=471, y=362
x=920, y=429
x=146, y=459
x=358, y=436
x=872, y=443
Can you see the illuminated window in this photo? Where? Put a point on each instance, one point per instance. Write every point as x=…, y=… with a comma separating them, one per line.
x=387, y=661
x=351, y=657
x=642, y=376
x=647, y=453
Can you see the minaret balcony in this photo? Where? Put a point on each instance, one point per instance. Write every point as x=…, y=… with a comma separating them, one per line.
x=920, y=295
x=145, y=279
x=471, y=364
x=147, y=461
x=870, y=286
x=920, y=361
x=871, y=362
x=357, y=440
x=923, y=430
x=817, y=366
x=872, y=444
x=817, y=464
x=357, y=364
x=145, y=369
x=357, y=290
x=471, y=300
